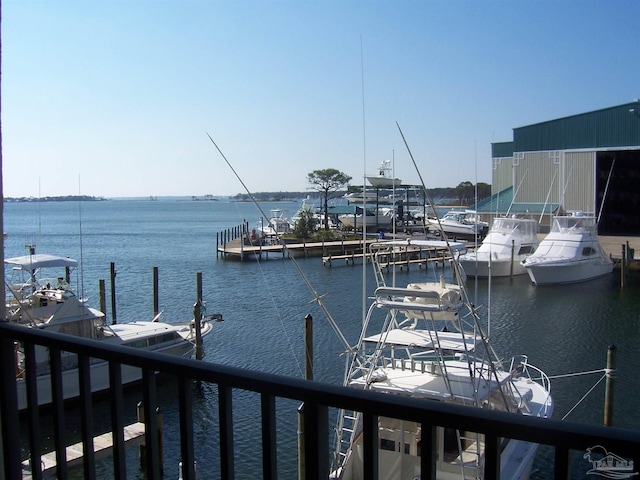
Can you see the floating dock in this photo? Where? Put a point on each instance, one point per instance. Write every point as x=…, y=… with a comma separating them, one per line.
x=102, y=447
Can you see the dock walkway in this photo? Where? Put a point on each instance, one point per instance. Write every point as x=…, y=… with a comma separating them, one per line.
x=239, y=250
x=102, y=445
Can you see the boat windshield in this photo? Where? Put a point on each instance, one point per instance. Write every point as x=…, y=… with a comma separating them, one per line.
x=574, y=224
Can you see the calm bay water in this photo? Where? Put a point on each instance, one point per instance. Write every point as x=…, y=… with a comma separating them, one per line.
x=562, y=329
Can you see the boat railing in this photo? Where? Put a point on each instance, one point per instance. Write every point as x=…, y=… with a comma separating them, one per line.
x=24, y=440
x=520, y=366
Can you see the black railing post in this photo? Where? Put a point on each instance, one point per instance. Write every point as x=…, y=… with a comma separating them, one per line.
x=117, y=421
x=269, y=454
x=185, y=396
x=57, y=397
x=225, y=414
x=428, y=452
x=86, y=413
x=370, y=444
x=316, y=441
x=9, y=412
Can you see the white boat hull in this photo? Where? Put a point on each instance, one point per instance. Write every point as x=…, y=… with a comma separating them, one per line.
x=502, y=267
x=570, y=253
x=567, y=272
x=384, y=182
x=99, y=378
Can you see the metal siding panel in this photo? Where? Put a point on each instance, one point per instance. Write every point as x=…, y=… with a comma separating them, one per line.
x=535, y=174
x=580, y=191
x=502, y=174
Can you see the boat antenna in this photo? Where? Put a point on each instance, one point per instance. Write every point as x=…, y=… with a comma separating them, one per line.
x=317, y=298
x=459, y=274
x=566, y=185
x=515, y=194
x=80, y=233
x=546, y=201
x=364, y=190
x=604, y=195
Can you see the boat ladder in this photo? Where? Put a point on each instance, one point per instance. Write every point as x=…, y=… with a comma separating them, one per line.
x=345, y=436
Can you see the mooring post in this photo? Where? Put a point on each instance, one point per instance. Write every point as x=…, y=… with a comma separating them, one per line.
x=156, y=307
x=113, y=294
x=197, y=316
x=513, y=251
x=308, y=346
x=308, y=374
x=102, y=296
x=142, y=449
x=608, y=392
x=301, y=463
x=622, y=266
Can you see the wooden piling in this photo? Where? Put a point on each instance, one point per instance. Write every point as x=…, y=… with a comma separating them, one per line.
x=102, y=296
x=308, y=346
x=623, y=264
x=608, y=393
x=156, y=303
x=113, y=294
x=308, y=374
x=513, y=251
x=197, y=316
x=142, y=449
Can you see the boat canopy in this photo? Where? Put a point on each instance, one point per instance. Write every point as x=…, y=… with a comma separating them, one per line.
x=40, y=260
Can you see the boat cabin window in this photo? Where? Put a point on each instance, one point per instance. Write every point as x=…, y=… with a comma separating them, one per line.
x=525, y=249
x=151, y=341
x=588, y=251
x=81, y=328
x=386, y=444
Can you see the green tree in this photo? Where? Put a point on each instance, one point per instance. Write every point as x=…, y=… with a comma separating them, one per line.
x=465, y=192
x=306, y=224
x=327, y=181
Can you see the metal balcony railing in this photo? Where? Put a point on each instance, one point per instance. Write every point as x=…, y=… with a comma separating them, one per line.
x=318, y=399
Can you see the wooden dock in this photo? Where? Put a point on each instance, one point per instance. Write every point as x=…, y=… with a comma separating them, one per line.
x=102, y=446
x=420, y=256
x=242, y=250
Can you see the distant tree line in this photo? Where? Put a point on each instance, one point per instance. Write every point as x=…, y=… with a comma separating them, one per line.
x=463, y=194
x=64, y=198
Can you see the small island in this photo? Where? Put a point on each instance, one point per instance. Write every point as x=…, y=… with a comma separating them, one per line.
x=64, y=198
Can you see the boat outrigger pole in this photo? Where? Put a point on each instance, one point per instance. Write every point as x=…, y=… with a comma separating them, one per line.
x=317, y=298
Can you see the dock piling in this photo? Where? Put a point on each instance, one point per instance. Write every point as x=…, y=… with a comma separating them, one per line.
x=608, y=395
x=113, y=294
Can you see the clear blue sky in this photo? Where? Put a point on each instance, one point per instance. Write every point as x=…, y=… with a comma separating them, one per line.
x=114, y=98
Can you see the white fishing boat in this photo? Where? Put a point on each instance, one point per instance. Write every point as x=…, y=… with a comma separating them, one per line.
x=459, y=224
x=384, y=179
x=426, y=341
x=51, y=304
x=381, y=218
x=509, y=241
x=570, y=253
x=361, y=197
x=277, y=224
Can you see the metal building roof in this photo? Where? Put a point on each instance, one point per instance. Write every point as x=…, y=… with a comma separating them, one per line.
x=501, y=149
x=612, y=127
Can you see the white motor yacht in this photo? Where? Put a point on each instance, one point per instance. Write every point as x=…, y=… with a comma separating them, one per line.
x=570, y=253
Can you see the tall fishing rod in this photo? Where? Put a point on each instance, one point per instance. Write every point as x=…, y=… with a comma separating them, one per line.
x=458, y=270
x=513, y=199
x=544, y=207
x=317, y=298
x=604, y=195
